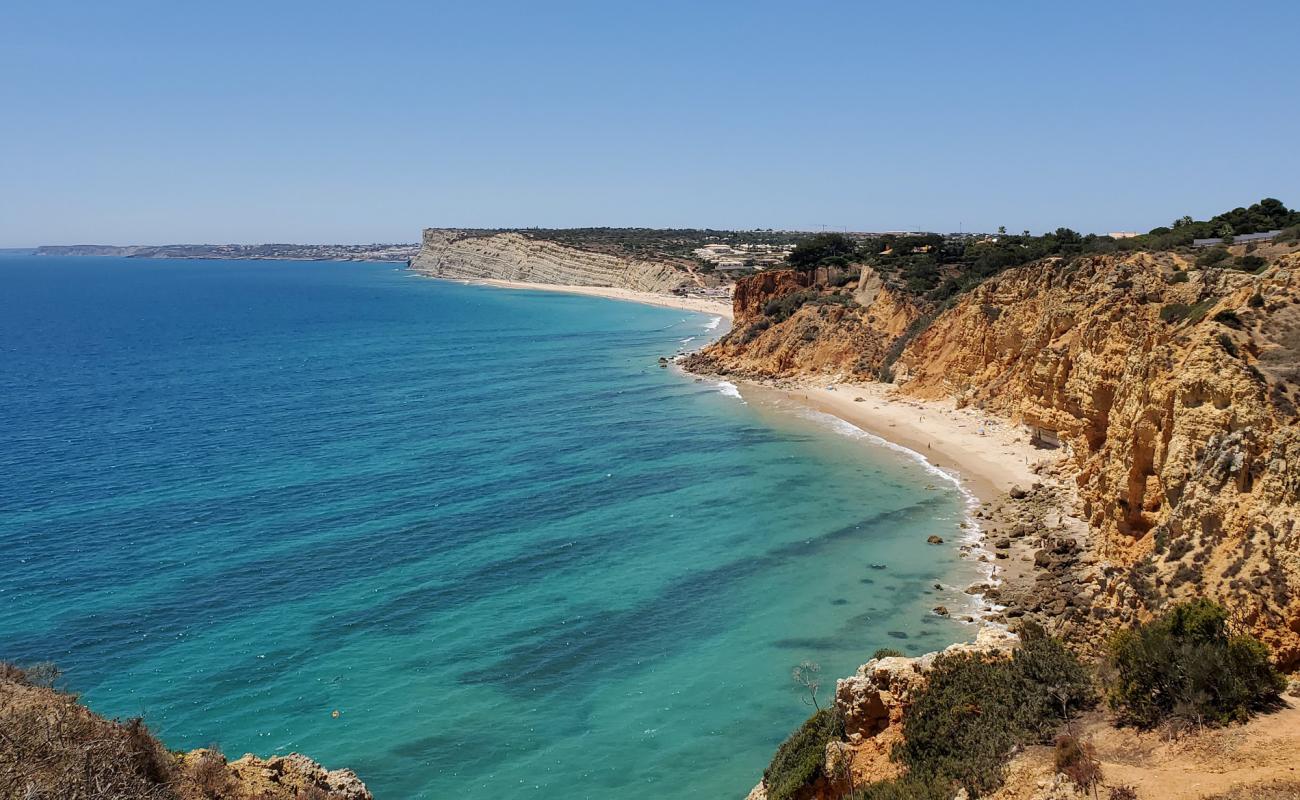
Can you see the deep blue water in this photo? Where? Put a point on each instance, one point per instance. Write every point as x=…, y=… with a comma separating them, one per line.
x=515, y=555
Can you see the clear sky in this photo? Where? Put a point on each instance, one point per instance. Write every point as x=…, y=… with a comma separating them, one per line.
x=130, y=122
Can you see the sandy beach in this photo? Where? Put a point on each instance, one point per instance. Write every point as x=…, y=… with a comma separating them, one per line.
x=698, y=304
x=987, y=453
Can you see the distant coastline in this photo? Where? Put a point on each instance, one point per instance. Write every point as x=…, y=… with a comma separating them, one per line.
x=276, y=252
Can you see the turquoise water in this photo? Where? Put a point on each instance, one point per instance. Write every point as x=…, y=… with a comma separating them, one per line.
x=515, y=555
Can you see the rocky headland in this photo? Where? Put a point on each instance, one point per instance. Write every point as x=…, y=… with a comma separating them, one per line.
x=512, y=256
x=1169, y=390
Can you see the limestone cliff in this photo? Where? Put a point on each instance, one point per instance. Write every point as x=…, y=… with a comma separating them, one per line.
x=511, y=256
x=1175, y=392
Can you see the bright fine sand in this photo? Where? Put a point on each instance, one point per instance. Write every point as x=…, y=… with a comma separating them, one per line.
x=720, y=307
x=989, y=454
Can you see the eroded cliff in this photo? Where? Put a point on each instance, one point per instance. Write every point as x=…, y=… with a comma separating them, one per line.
x=1175, y=391
x=801, y=324
x=460, y=254
x=1173, y=388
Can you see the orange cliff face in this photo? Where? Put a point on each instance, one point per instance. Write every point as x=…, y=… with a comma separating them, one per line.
x=1174, y=388
x=798, y=324
x=1177, y=397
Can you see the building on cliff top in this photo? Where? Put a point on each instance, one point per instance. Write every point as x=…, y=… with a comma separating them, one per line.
x=1242, y=239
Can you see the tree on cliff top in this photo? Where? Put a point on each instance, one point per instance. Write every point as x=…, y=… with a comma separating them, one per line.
x=824, y=249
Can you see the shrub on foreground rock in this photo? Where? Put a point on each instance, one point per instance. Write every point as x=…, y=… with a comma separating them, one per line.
x=800, y=758
x=1189, y=667
x=977, y=709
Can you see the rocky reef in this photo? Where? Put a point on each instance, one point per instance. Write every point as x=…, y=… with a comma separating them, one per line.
x=512, y=256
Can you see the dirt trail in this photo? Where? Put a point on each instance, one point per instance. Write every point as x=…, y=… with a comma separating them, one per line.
x=1264, y=751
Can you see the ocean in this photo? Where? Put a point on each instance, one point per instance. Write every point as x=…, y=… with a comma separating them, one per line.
x=515, y=555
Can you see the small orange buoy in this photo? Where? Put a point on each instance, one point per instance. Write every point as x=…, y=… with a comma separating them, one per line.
x=335, y=713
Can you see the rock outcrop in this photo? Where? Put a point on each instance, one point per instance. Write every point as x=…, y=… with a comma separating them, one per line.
x=290, y=777
x=872, y=703
x=787, y=325
x=511, y=256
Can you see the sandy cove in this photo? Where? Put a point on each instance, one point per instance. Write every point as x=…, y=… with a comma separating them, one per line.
x=700, y=305
x=988, y=454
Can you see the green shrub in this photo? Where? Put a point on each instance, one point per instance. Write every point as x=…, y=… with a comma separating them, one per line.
x=1053, y=684
x=1249, y=263
x=1188, y=666
x=887, y=652
x=1177, y=312
x=1225, y=341
x=1179, y=277
x=1211, y=257
x=800, y=759
x=965, y=723
x=1256, y=300
x=783, y=307
x=751, y=333
x=976, y=709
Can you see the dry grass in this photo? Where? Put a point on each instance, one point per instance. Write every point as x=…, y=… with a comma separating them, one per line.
x=52, y=748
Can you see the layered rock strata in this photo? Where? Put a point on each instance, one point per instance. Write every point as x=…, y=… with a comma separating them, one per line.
x=470, y=255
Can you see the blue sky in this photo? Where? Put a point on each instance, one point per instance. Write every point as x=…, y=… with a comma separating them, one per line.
x=159, y=122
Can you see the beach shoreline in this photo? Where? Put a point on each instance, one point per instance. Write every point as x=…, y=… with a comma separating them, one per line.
x=984, y=456
x=697, y=304
x=987, y=454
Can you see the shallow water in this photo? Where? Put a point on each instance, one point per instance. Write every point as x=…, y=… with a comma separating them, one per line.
x=515, y=555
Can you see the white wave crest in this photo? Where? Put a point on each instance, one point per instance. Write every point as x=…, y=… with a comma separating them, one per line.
x=730, y=390
x=972, y=533
x=713, y=324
